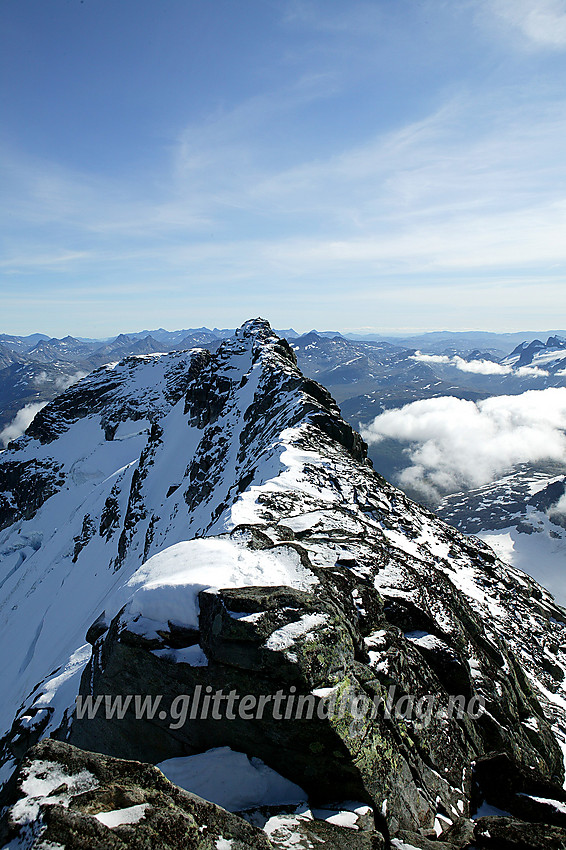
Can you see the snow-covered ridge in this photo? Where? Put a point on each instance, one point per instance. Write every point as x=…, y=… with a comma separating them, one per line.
x=549, y=356
x=230, y=473
x=132, y=460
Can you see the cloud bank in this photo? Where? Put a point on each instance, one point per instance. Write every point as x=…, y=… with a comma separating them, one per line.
x=455, y=444
x=481, y=367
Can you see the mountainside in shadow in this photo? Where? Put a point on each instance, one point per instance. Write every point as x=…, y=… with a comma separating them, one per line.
x=206, y=522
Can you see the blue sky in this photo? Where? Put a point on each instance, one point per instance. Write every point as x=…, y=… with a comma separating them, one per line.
x=384, y=165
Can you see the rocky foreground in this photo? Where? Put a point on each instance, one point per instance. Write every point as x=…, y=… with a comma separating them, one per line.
x=207, y=523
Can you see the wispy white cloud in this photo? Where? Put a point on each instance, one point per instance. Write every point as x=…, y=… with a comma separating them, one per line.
x=472, y=190
x=432, y=194
x=357, y=18
x=541, y=22
x=59, y=382
x=25, y=416
x=43, y=261
x=559, y=507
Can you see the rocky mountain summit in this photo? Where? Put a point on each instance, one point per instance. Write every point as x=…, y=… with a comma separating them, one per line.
x=550, y=355
x=197, y=523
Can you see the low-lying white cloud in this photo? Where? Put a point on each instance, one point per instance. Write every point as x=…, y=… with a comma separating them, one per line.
x=480, y=367
x=60, y=382
x=26, y=414
x=23, y=418
x=454, y=444
x=559, y=507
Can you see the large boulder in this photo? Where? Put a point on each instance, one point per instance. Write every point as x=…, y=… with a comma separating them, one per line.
x=65, y=797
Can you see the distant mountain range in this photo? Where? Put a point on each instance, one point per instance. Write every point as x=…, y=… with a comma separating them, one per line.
x=365, y=376
x=519, y=516
x=432, y=342
x=440, y=342
x=34, y=369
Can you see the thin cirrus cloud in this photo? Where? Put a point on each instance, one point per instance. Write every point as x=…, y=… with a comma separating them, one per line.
x=541, y=22
x=357, y=18
x=466, y=187
x=383, y=203
x=454, y=444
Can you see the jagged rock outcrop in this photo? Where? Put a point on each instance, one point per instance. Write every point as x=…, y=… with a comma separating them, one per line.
x=218, y=527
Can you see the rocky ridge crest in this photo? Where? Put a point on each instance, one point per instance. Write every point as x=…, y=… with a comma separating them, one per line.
x=235, y=461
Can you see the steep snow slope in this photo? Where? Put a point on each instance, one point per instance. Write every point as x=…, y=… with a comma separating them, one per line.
x=151, y=481
x=542, y=553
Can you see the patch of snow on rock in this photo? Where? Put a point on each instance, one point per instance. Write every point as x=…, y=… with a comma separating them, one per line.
x=231, y=780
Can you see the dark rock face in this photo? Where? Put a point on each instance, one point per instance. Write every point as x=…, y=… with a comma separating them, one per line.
x=46, y=812
x=24, y=487
x=498, y=833
x=519, y=791
x=68, y=408
x=66, y=797
x=377, y=607
x=238, y=661
x=525, y=354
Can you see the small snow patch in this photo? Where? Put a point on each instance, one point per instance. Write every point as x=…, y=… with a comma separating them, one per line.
x=487, y=811
x=131, y=814
x=545, y=801
x=192, y=655
x=286, y=636
x=47, y=783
